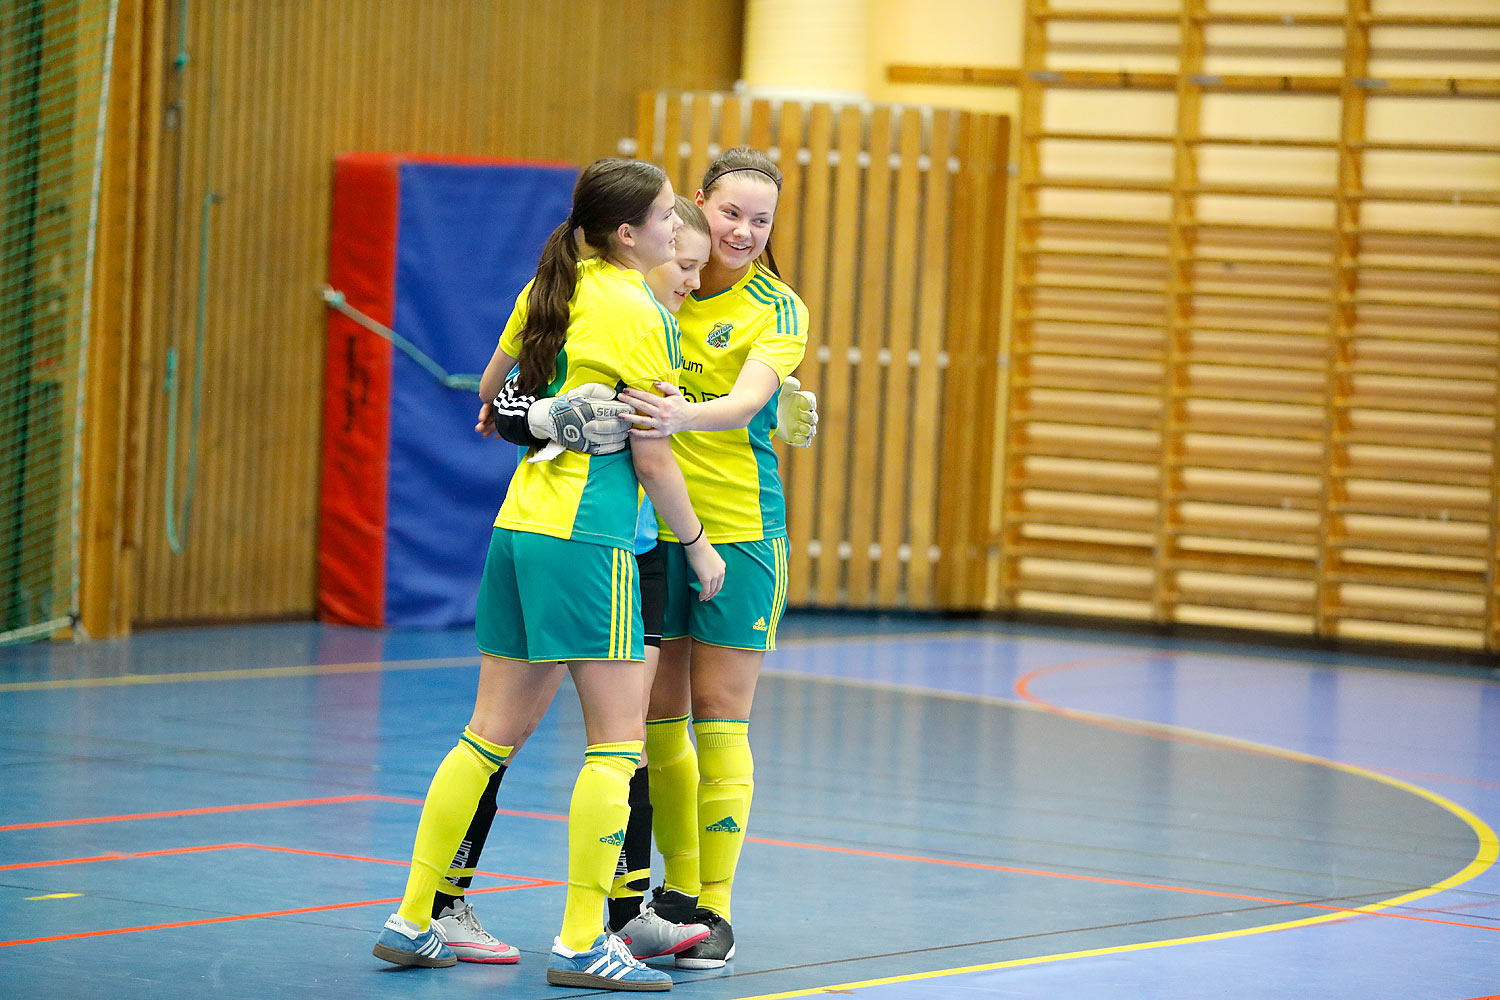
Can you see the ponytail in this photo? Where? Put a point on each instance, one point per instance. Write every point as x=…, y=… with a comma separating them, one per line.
x=547, y=310
x=609, y=192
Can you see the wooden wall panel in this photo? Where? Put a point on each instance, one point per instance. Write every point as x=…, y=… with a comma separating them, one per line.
x=889, y=228
x=262, y=97
x=1257, y=327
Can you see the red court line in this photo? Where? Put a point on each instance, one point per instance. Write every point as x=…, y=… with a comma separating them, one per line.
x=132, y=855
x=254, y=916
x=1121, y=882
x=524, y=882
x=1022, y=688
x=246, y=807
x=206, y=811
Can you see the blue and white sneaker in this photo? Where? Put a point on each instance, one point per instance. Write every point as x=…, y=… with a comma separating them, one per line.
x=607, y=965
x=400, y=943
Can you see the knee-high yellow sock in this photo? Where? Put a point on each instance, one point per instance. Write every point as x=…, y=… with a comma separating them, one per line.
x=596, y=832
x=726, y=784
x=455, y=790
x=674, y=801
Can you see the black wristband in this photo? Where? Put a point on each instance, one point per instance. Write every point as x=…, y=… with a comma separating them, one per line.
x=695, y=537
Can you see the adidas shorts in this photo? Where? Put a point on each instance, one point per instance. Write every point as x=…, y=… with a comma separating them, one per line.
x=744, y=614
x=544, y=598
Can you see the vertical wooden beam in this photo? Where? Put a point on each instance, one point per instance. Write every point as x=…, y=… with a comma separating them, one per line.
x=897, y=459
x=836, y=404
x=868, y=448
x=812, y=286
x=760, y=124
x=731, y=124
x=932, y=319
x=646, y=136
x=699, y=137
x=107, y=400
x=1028, y=170
x=1177, y=329
x=787, y=234
x=956, y=474
x=991, y=293
x=671, y=142
x=1342, y=315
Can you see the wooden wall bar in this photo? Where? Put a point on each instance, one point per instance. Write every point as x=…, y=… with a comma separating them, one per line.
x=890, y=230
x=231, y=198
x=1257, y=327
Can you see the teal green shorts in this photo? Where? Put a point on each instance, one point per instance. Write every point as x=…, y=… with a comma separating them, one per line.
x=745, y=613
x=544, y=598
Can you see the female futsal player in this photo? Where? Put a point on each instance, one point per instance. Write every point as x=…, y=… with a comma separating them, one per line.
x=743, y=332
x=523, y=419
x=559, y=581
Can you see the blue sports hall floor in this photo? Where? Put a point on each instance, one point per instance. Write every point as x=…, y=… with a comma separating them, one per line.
x=943, y=808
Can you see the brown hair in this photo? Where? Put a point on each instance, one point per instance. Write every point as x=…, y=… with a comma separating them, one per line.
x=609, y=193
x=750, y=160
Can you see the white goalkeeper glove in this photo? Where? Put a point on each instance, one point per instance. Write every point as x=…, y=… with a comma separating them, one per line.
x=587, y=419
x=796, y=414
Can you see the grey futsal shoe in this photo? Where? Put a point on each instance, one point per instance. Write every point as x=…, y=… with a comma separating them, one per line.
x=713, y=951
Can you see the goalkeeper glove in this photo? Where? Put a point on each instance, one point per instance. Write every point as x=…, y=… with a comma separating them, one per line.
x=796, y=414
x=587, y=419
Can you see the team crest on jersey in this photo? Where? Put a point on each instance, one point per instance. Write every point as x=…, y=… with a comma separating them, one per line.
x=718, y=337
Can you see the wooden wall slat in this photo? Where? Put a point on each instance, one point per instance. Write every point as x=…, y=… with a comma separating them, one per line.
x=760, y=124
x=937, y=244
x=956, y=474
x=865, y=232
x=897, y=458
x=731, y=123
x=1306, y=443
x=269, y=95
x=699, y=136
x=798, y=466
x=811, y=283
x=836, y=403
x=868, y=447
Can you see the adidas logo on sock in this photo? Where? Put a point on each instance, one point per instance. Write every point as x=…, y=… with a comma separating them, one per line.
x=616, y=839
x=725, y=825
x=760, y=625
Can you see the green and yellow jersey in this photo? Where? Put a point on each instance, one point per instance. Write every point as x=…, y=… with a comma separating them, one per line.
x=618, y=334
x=731, y=476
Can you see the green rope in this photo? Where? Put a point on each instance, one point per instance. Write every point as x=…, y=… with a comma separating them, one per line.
x=464, y=383
x=177, y=533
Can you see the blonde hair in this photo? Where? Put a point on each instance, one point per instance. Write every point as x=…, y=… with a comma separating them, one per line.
x=692, y=216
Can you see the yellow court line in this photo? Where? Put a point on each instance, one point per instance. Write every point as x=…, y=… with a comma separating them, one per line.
x=246, y=674
x=1489, y=849
x=1489, y=844
x=320, y=669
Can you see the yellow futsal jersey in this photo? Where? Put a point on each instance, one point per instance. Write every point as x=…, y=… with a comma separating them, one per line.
x=731, y=476
x=618, y=334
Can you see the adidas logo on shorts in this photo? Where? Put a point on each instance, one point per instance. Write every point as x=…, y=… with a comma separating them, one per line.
x=725, y=825
x=760, y=625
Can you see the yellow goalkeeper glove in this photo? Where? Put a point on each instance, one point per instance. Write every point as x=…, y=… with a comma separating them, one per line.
x=796, y=414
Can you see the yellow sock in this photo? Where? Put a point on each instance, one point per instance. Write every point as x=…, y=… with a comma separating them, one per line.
x=726, y=784
x=455, y=790
x=596, y=832
x=674, y=801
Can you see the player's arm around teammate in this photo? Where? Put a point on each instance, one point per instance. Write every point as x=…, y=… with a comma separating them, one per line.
x=559, y=581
